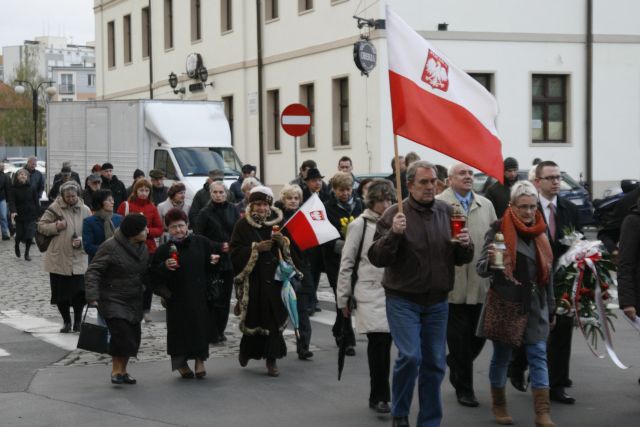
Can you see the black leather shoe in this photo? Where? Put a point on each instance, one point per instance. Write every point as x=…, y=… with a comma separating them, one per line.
x=117, y=379
x=517, y=381
x=400, y=422
x=468, y=400
x=351, y=351
x=4, y=237
x=66, y=328
x=380, y=407
x=76, y=327
x=243, y=360
x=305, y=354
x=17, y=250
x=559, y=395
x=128, y=379
x=568, y=383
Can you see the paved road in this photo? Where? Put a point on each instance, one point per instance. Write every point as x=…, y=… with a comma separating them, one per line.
x=44, y=384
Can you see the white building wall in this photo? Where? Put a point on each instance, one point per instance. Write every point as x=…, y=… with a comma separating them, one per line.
x=512, y=39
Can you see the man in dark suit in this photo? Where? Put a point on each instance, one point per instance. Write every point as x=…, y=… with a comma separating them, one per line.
x=560, y=215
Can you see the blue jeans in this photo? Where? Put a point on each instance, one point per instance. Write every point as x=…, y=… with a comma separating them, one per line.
x=536, y=356
x=420, y=334
x=4, y=224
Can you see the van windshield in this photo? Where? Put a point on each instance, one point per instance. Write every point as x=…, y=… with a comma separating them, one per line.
x=198, y=161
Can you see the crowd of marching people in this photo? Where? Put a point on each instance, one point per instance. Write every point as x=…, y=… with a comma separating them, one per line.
x=399, y=267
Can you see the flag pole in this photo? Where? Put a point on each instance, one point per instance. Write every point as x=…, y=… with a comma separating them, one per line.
x=397, y=168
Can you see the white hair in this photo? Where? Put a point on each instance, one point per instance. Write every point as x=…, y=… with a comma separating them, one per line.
x=248, y=183
x=452, y=169
x=532, y=174
x=523, y=188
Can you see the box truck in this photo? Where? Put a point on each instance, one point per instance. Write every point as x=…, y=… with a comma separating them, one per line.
x=185, y=139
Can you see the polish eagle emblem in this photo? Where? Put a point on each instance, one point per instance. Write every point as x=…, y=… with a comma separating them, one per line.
x=436, y=72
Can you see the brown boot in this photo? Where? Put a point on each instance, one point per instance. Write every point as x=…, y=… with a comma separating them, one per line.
x=541, y=405
x=499, y=406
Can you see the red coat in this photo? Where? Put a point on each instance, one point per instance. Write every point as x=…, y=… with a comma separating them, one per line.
x=154, y=223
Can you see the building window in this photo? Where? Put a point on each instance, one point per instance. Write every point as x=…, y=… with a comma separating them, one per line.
x=307, y=99
x=341, y=111
x=196, y=23
x=271, y=10
x=273, y=120
x=226, y=16
x=228, y=111
x=304, y=5
x=66, y=84
x=549, y=109
x=126, y=34
x=111, y=44
x=485, y=79
x=168, y=24
x=146, y=32
x=91, y=80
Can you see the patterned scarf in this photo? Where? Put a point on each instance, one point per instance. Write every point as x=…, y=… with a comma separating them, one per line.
x=511, y=227
x=107, y=223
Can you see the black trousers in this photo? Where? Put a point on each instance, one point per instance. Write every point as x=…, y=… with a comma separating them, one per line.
x=305, y=324
x=464, y=345
x=379, y=357
x=222, y=305
x=559, y=351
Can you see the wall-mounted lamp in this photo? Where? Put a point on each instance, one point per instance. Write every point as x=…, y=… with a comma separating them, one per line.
x=173, y=82
x=203, y=75
x=443, y=26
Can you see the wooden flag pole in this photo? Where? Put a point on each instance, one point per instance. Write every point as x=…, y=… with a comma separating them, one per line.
x=398, y=180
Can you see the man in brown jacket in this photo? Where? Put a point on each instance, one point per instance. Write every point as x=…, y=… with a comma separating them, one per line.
x=418, y=255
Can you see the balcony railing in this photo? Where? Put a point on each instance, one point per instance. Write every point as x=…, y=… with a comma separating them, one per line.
x=66, y=89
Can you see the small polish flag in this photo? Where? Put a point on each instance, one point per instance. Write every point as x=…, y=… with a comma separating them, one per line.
x=310, y=226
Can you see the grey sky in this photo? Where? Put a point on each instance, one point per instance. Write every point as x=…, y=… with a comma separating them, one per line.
x=26, y=19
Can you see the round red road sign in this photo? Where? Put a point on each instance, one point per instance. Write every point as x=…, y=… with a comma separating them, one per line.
x=295, y=119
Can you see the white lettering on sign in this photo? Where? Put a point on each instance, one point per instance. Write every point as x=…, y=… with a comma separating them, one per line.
x=367, y=56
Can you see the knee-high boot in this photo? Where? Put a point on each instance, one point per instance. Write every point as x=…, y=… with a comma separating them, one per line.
x=26, y=251
x=499, y=406
x=542, y=407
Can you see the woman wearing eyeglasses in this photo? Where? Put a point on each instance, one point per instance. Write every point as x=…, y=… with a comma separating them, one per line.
x=520, y=303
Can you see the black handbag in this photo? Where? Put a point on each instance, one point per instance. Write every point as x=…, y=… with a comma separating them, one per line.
x=214, y=287
x=42, y=240
x=94, y=338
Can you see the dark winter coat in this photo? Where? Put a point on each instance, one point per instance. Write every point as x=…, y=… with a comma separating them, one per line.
x=87, y=196
x=610, y=233
x=93, y=233
x=5, y=185
x=538, y=300
x=74, y=176
x=629, y=261
x=184, y=291
x=159, y=195
x=24, y=201
x=115, y=278
x=216, y=222
x=500, y=196
x=236, y=189
x=332, y=251
x=200, y=200
x=420, y=263
x=118, y=191
x=36, y=180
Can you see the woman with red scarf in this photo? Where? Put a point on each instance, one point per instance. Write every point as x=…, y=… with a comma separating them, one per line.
x=139, y=202
x=520, y=303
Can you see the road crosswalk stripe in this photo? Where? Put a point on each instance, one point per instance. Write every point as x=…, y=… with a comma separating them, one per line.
x=4, y=353
x=40, y=328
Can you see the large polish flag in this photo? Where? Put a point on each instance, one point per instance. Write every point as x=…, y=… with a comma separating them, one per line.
x=438, y=105
x=310, y=226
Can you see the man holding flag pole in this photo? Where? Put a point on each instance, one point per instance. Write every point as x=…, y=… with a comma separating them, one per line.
x=439, y=106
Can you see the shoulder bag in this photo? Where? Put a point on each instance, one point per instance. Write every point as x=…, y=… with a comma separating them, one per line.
x=43, y=241
x=353, y=304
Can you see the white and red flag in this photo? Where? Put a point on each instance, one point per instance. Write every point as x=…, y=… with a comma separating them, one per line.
x=310, y=226
x=438, y=105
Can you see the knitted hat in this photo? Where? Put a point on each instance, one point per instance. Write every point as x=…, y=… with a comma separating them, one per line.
x=137, y=174
x=70, y=186
x=95, y=178
x=261, y=193
x=133, y=224
x=510, y=163
x=106, y=166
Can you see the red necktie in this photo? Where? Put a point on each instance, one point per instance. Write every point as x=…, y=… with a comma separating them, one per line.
x=552, y=221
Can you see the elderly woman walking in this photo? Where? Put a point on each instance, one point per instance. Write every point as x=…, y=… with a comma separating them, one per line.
x=216, y=222
x=114, y=281
x=101, y=225
x=182, y=270
x=65, y=260
x=255, y=252
x=520, y=303
x=24, y=206
x=139, y=202
x=177, y=194
x=360, y=281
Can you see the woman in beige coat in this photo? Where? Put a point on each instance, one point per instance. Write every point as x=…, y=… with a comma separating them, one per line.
x=370, y=312
x=65, y=260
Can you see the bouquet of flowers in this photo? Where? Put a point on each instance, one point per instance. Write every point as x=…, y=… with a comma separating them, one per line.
x=344, y=224
x=582, y=282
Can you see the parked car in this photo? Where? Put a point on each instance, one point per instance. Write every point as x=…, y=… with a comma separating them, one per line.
x=570, y=189
x=611, y=197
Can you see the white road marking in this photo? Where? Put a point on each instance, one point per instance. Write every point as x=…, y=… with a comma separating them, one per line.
x=326, y=296
x=40, y=328
x=4, y=353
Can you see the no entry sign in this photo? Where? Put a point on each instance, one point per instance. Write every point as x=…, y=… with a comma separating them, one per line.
x=295, y=119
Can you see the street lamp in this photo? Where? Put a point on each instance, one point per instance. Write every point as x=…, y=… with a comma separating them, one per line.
x=50, y=90
x=173, y=82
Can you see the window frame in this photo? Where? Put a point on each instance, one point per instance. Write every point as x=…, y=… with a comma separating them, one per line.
x=145, y=22
x=545, y=101
x=305, y=6
x=126, y=39
x=271, y=10
x=308, y=140
x=168, y=24
x=341, y=110
x=228, y=112
x=196, y=20
x=226, y=16
x=490, y=86
x=273, y=120
x=111, y=44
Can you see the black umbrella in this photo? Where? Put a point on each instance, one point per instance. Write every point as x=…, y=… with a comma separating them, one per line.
x=344, y=343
